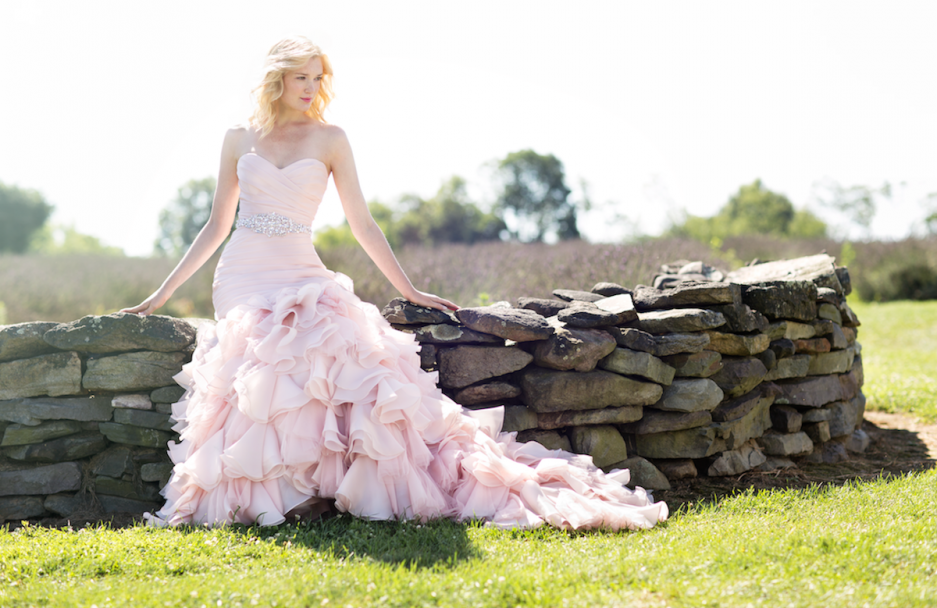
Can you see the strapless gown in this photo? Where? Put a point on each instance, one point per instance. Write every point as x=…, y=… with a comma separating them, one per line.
x=302, y=392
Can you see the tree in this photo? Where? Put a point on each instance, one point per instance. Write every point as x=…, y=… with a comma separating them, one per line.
x=930, y=205
x=856, y=204
x=181, y=220
x=66, y=240
x=22, y=213
x=534, y=200
x=752, y=210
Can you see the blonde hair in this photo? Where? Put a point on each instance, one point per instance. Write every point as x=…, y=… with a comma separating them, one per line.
x=287, y=55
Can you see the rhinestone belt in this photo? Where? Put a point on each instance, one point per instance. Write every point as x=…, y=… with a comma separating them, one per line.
x=272, y=224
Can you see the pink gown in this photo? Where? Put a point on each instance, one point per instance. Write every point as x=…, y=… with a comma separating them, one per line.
x=302, y=392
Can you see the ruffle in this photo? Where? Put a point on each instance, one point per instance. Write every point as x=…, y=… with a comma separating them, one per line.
x=308, y=394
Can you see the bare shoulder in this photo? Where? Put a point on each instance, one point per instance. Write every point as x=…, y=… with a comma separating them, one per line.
x=336, y=140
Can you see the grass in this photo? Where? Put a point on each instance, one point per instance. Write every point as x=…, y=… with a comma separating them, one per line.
x=899, y=356
x=862, y=544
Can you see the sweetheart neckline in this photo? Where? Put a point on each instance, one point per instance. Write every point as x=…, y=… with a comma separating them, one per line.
x=285, y=167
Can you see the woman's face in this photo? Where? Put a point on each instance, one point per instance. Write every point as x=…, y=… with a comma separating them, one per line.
x=300, y=87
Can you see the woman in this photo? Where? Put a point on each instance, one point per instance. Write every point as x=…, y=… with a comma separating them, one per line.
x=302, y=394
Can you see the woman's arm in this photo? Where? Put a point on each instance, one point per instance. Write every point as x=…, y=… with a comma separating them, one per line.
x=212, y=235
x=365, y=229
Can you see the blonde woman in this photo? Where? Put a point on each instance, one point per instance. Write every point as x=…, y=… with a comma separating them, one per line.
x=302, y=395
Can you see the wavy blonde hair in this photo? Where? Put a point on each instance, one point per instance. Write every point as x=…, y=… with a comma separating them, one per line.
x=288, y=55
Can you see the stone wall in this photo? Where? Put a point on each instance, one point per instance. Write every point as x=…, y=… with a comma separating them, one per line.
x=701, y=374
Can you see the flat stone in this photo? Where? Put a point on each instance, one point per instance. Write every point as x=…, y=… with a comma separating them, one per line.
x=49, y=479
x=53, y=375
x=732, y=409
x=842, y=273
x=690, y=395
x=816, y=414
x=486, y=392
x=132, y=371
x=818, y=269
x=686, y=294
x=587, y=315
x=135, y=435
x=429, y=360
x=736, y=344
x=830, y=312
x=463, y=365
x=72, y=447
x=816, y=391
x=683, y=468
x=750, y=426
x=125, y=489
x=18, y=434
x=572, y=295
x=657, y=421
x=608, y=415
x=738, y=376
x=849, y=317
x=795, y=300
x=18, y=508
x=609, y=289
x=118, y=504
x=635, y=363
x=24, y=340
x=783, y=348
x=659, y=346
x=518, y=418
x=555, y=391
x=777, y=330
x=819, y=432
x=813, y=346
x=551, y=440
x=572, y=348
x=141, y=418
x=163, y=408
x=679, y=320
x=786, y=444
x=736, y=462
x=444, y=333
x=167, y=394
x=132, y=402
x=31, y=412
x=698, y=442
x=768, y=359
x=740, y=318
x=799, y=331
x=857, y=442
x=843, y=415
x=64, y=505
x=156, y=471
x=604, y=443
x=115, y=462
x=837, y=337
x=695, y=365
x=510, y=323
x=830, y=452
x=541, y=306
x=404, y=312
x=786, y=419
x=620, y=305
x=836, y=362
x=119, y=332
x=643, y=474
x=791, y=367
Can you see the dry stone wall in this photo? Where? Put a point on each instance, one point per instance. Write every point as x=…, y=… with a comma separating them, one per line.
x=699, y=374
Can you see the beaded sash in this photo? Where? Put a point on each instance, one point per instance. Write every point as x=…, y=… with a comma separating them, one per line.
x=272, y=224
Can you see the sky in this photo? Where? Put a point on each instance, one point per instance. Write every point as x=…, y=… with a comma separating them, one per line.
x=661, y=108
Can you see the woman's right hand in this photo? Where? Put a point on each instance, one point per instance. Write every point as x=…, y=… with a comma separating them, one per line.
x=149, y=305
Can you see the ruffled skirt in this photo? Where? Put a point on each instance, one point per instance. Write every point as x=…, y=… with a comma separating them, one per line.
x=308, y=394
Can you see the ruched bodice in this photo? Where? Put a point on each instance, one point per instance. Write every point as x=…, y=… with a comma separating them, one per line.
x=303, y=393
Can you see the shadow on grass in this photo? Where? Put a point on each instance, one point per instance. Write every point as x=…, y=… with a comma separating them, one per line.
x=892, y=452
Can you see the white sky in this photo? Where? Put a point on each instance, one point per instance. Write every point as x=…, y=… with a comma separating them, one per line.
x=108, y=107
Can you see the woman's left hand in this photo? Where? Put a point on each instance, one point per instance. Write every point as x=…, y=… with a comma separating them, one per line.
x=429, y=300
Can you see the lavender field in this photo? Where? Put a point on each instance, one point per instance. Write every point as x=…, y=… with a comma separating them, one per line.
x=57, y=288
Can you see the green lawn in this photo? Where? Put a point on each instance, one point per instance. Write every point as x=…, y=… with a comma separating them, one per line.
x=861, y=544
x=899, y=356
x=870, y=544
